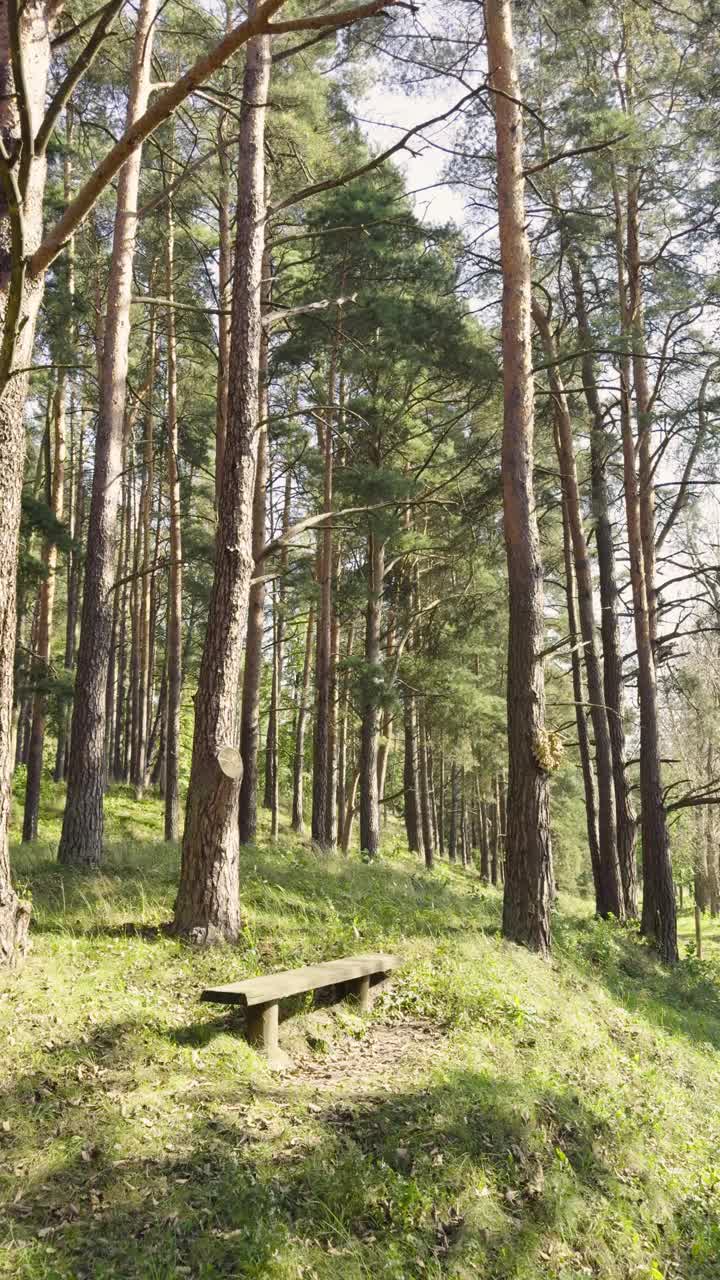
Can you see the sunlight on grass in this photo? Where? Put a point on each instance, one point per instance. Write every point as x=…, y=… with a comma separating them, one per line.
x=565, y=1124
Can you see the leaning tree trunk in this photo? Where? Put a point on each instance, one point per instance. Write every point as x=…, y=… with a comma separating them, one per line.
x=82, y=831
x=600, y=447
x=21, y=200
x=208, y=901
x=528, y=885
x=610, y=897
x=370, y=711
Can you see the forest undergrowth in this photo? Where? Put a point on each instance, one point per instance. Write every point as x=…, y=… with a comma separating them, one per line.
x=496, y=1116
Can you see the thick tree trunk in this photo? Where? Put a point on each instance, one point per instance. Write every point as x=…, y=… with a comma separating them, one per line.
x=208, y=901
x=370, y=710
x=528, y=885
x=600, y=447
x=21, y=203
x=82, y=831
x=610, y=898
x=300, y=729
x=224, y=288
x=45, y=624
x=174, y=633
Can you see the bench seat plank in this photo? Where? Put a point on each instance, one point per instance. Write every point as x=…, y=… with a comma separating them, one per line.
x=275, y=986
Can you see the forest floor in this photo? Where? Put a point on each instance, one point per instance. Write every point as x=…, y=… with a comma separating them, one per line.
x=495, y=1116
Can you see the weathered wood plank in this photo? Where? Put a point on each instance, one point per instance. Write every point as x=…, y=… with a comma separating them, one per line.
x=275, y=986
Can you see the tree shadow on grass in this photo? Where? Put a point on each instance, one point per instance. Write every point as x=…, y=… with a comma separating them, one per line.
x=459, y=1178
x=684, y=1000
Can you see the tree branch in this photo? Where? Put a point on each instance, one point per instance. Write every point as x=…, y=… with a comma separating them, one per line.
x=577, y=151
x=163, y=107
x=375, y=163
x=76, y=73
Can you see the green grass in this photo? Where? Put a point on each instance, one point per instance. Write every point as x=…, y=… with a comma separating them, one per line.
x=710, y=932
x=563, y=1124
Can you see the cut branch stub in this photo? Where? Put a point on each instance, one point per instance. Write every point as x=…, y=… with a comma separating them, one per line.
x=230, y=762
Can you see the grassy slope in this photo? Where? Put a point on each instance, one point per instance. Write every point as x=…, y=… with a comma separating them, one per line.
x=567, y=1126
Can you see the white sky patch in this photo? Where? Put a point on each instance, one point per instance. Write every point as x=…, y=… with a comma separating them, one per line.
x=385, y=114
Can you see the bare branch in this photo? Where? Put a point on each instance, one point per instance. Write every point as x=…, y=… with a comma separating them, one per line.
x=330, y=183
x=577, y=151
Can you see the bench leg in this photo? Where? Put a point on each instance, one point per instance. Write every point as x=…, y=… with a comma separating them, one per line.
x=262, y=1027
x=362, y=991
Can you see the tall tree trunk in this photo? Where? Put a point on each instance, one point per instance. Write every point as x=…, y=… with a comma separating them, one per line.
x=252, y=673
x=580, y=715
x=600, y=447
x=528, y=885
x=45, y=624
x=208, y=901
x=225, y=264
x=300, y=729
x=174, y=635
x=658, y=913
x=454, y=805
x=21, y=200
x=76, y=523
x=484, y=840
x=146, y=567
x=82, y=831
x=344, y=715
x=610, y=898
x=425, y=806
x=411, y=775
x=323, y=799
x=370, y=710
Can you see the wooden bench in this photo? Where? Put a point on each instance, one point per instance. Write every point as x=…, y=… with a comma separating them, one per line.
x=261, y=996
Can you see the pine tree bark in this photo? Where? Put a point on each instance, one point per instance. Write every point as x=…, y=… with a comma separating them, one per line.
x=45, y=623
x=370, y=710
x=610, y=898
x=252, y=673
x=301, y=727
x=454, y=805
x=658, y=911
x=425, y=806
x=580, y=715
x=528, y=885
x=411, y=775
x=600, y=448
x=208, y=901
x=225, y=261
x=323, y=800
x=174, y=631
x=82, y=830
x=21, y=199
